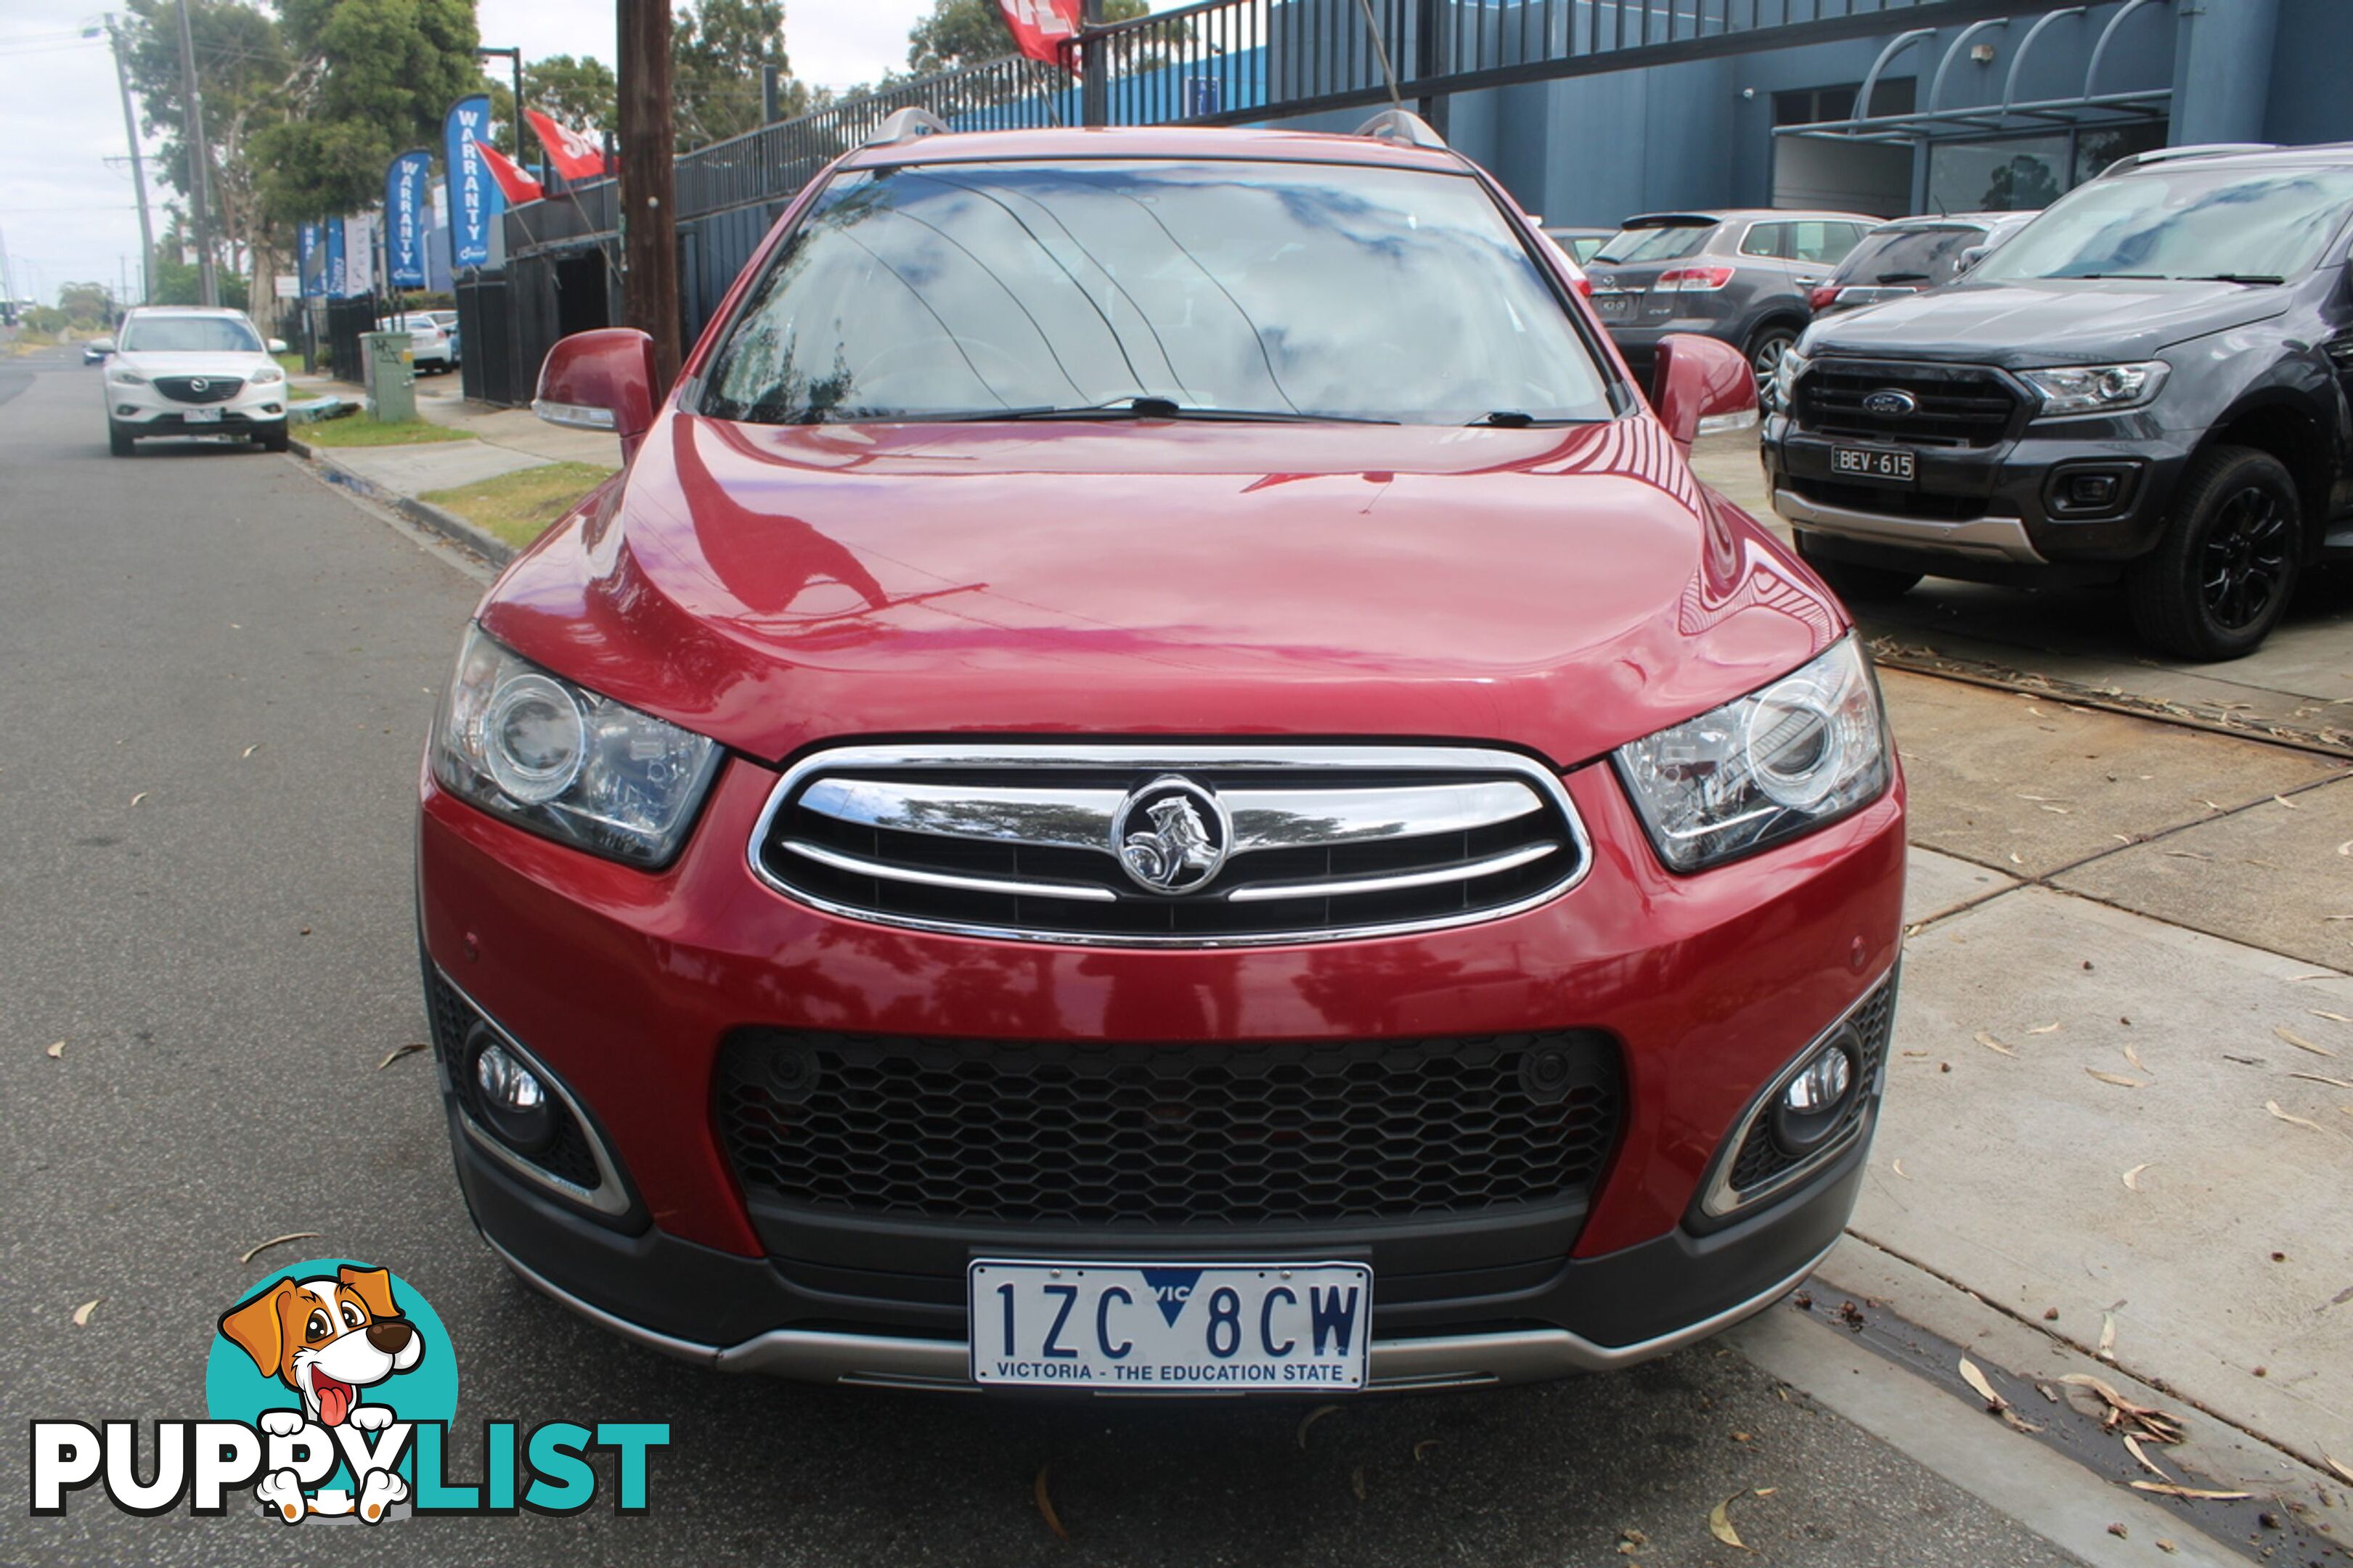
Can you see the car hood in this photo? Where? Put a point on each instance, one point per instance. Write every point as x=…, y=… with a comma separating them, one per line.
x=242, y=365
x=2058, y=321
x=1560, y=590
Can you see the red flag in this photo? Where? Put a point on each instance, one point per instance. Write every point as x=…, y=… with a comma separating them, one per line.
x=575, y=156
x=1044, y=30
x=519, y=186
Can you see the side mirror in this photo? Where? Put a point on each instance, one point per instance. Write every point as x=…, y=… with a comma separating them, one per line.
x=602, y=380
x=277, y=346
x=1970, y=257
x=103, y=345
x=1702, y=387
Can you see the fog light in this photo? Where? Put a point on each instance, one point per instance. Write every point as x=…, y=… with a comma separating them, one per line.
x=1811, y=1103
x=2090, y=490
x=513, y=1100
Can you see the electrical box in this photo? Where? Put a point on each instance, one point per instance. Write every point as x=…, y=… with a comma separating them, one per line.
x=389, y=359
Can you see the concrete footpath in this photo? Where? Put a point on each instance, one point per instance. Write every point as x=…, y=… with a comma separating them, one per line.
x=504, y=441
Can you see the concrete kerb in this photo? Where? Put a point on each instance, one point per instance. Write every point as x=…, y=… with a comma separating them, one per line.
x=448, y=524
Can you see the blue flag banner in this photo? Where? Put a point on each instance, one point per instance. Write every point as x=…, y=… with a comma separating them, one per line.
x=475, y=200
x=334, y=248
x=406, y=209
x=312, y=266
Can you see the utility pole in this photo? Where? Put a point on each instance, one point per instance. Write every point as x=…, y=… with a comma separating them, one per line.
x=514, y=62
x=138, y=167
x=200, y=164
x=649, y=184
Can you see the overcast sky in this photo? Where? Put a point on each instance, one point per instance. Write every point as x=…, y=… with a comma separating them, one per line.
x=65, y=209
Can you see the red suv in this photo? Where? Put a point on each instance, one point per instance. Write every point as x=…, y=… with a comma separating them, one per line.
x=1158, y=776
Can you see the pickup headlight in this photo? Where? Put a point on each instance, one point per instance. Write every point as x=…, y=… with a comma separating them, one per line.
x=559, y=760
x=1806, y=750
x=1784, y=384
x=2095, y=388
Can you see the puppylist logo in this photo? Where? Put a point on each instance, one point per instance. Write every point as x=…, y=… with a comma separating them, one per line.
x=330, y=1389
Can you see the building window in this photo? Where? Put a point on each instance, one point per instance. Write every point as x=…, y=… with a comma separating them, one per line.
x=2026, y=173
x=1813, y=105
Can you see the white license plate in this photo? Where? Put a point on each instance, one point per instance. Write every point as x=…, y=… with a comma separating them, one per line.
x=201, y=415
x=1612, y=306
x=1872, y=463
x=1170, y=1328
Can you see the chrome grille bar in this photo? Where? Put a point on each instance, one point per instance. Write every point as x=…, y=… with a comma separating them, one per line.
x=1304, y=843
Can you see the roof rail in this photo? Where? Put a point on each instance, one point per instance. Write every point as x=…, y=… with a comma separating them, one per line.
x=905, y=125
x=2126, y=165
x=1404, y=127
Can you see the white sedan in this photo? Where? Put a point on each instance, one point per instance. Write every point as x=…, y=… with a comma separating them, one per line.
x=184, y=371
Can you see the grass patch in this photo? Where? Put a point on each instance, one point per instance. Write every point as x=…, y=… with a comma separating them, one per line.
x=517, y=506
x=361, y=430
x=290, y=363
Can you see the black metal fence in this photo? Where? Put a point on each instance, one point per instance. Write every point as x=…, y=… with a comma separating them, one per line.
x=1217, y=62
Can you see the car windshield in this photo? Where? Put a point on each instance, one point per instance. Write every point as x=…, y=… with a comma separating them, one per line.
x=1924, y=256
x=2180, y=222
x=1291, y=290
x=189, y=335
x=1668, y=242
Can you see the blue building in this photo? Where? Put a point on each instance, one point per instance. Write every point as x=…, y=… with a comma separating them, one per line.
x=2006, y=108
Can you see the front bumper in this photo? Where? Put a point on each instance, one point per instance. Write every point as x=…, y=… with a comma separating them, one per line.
x=1986, y=511
x=1710, y=984
x=146, y=412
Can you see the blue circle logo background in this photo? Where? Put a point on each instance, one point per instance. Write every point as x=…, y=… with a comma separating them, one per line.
x=234, y=1391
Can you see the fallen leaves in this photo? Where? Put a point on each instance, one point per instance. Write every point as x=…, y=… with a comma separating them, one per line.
x=1310, y=1419
x=2274, y=1107
x=2132, y=1444
x=2344, y=1471
x=258, y=1247
x=1897, y=1166
x=396, y=1053
x=143, y=794
x=2046, y=1029
x=2332, y=1017
x=249, y=750
x=55, y=1050
x=1990, y=1043
x=2125, y=1416
x=2132, y=1177
x=2116, y=1079
x=1046, y=1505
x=1995, y=1403
x=2308, y=1077
x=1719, y=1522
x=81, y=1313
x=1424, y=1447
x=2299, y=1042
x=2107, y=1350
x=2168, y=1489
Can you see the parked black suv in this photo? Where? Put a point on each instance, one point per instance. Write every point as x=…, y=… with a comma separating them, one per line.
x=2149, y=382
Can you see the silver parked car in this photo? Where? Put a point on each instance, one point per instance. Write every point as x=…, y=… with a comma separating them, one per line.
x=1913, y=254
x=1741, y=277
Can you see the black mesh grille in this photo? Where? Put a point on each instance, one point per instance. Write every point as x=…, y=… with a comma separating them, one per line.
x=183, y=388
x=1761, y=1159
x=568, y=1157
x=1957, y=405
x=1167, y=1134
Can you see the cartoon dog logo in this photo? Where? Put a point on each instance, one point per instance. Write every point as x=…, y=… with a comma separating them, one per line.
x=328, y=1340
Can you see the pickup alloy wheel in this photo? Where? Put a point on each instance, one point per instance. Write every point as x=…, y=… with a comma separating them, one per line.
x=2223, y=569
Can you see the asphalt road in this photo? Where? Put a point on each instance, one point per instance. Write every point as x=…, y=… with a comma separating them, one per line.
x=215, y=673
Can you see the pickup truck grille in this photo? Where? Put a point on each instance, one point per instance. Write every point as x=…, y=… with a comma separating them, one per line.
x=1159, y=846
x=1955, y=406
x=1185, y=1133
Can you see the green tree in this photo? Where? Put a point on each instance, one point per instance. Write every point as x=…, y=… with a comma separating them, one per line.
x=374, y=77
x=717, y=48
x=581, y=93
x=247, y=76
x=87, y=304
x=960, y=33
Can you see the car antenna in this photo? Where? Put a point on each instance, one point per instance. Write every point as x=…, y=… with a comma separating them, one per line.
x=1380, y=52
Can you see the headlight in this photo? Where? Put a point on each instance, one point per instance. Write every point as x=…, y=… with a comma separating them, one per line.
x=123, y=375
x=268, y=375
x=550, y=756
x=1785, y=378
x=2095, y=388
x=1806, y=750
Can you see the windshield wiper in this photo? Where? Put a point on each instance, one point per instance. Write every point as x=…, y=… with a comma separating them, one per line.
x=1519, y=419
x=2263, y=278
x=1901, y=277
x=2136, y=276
x=1141, y=407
